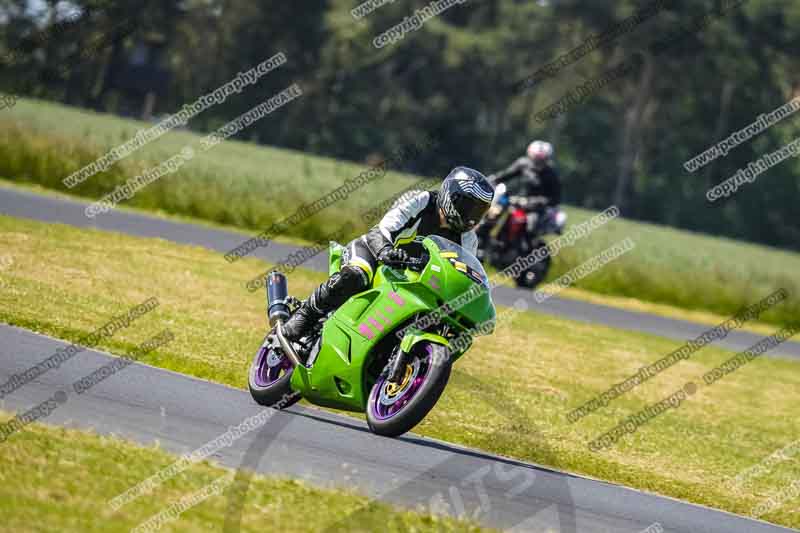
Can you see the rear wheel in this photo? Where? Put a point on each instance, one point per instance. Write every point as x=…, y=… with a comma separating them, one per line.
x=270, y=378
x=393, y=409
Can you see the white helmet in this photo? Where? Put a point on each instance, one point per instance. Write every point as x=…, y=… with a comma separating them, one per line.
x=541, y=153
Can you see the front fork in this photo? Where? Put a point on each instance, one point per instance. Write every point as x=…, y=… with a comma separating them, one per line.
x=397, y=364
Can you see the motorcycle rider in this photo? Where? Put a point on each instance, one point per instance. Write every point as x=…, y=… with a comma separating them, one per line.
x=538, y=180
x=451, y=212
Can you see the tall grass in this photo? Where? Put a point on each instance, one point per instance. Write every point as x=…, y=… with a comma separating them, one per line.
x=250, y=187
x=237, y=183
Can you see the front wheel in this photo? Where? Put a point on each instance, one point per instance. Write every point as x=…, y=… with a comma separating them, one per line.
x=535, y=274
x=394, y=409
x=270, y=377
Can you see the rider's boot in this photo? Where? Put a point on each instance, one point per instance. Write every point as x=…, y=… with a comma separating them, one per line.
x=331, y=294
x=301, y=321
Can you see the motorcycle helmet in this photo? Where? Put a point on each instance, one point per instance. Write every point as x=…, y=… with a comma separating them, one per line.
x=541, y=153
x=464, y=198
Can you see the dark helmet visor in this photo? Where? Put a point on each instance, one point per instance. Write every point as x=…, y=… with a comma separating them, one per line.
x=470, y=209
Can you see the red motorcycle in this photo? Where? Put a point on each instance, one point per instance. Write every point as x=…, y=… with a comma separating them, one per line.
x=514, y=228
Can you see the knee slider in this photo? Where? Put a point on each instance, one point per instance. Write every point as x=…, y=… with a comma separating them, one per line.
x=350, y=280
x=354, y=278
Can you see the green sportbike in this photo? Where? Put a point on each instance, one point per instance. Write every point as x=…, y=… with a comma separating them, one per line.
x=386, y=351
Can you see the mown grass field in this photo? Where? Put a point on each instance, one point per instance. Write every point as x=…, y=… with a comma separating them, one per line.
x=629, y=303
x=250, y=187
x=62, y=480
x=509, y=395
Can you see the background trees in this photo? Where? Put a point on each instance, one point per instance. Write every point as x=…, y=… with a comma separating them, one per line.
x=456, y=78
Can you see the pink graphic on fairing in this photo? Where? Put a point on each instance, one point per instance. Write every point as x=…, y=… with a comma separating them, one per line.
x=375, y=323
x=396, y=298
x=381, y=316
x=366, y=331
x=388, y=309
x=434, y=283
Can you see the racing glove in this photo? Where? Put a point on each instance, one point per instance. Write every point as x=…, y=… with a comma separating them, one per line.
x=392, y=255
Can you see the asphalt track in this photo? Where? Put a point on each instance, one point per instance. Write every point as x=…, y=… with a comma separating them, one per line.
x=147, y=404
x=25, y=204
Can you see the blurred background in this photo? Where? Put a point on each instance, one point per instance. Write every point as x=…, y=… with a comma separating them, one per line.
x=457, y=78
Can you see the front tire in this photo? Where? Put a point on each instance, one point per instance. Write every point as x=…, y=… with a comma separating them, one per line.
x=392, y=411
x=533, y=276
x=270, y=378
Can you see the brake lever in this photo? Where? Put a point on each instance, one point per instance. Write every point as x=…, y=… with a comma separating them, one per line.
x=395, y=264
x=418, y=263
x=413, y=263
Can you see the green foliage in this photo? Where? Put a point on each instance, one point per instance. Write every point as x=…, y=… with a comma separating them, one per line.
x=456, y=78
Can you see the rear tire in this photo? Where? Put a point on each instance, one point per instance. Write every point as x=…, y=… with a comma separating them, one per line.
x=271, y=387
x=430, y=366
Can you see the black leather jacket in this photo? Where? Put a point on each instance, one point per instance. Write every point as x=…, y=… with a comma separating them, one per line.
x=531, y=182
x=417, y=215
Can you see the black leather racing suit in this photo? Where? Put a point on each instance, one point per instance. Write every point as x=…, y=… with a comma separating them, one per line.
x=532, y=182
x=417, y=215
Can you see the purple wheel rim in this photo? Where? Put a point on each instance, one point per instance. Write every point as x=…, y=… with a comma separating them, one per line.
x=383, y=411
x=266, y=375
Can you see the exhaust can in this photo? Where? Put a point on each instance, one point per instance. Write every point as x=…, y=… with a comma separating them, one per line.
x=277, y=293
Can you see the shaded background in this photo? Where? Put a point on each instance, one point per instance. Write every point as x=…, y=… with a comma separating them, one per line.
x=456, y=78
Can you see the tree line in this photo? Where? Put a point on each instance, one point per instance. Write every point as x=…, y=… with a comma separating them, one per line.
x=627, y=91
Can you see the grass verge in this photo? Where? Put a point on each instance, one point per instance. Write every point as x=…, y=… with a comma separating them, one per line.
x=251, y=187
x=619, y=302
x=509, y=395
x=56, y=479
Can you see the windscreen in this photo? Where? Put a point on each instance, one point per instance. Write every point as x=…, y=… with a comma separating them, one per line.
x=461, y=259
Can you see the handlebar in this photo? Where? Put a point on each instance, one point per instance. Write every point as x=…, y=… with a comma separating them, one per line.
x=525, y=202
x=413, y=263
